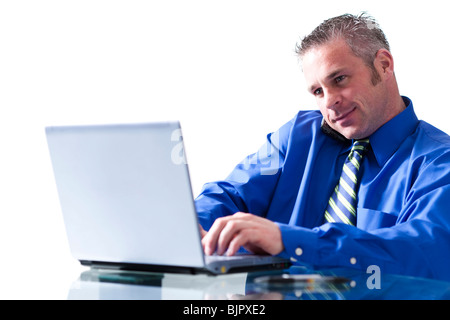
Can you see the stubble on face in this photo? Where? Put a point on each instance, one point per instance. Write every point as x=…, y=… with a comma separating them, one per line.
x=350, y=96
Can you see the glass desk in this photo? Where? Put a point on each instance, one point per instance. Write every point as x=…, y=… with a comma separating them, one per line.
x=111, y=285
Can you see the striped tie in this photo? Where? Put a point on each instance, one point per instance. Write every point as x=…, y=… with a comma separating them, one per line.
x=342, y=203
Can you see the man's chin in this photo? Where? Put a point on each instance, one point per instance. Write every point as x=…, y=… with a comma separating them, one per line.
x=352, y=133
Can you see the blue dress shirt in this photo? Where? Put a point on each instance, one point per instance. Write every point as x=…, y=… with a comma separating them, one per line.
x=403, y=214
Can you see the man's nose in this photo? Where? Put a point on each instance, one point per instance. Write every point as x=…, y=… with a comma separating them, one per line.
x=332, y=99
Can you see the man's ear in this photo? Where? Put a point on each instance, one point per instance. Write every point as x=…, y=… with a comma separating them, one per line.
x=384, y=63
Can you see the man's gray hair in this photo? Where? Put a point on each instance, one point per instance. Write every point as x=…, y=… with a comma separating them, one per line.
x=362, y=33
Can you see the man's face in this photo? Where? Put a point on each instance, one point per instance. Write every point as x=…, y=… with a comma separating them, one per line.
x=343, y=86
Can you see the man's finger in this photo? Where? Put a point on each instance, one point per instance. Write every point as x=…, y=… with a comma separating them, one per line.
x=209, y=241
x=231, y=230
x=203, y=233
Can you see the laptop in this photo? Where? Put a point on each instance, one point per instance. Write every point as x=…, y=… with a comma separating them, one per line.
x=127, y=201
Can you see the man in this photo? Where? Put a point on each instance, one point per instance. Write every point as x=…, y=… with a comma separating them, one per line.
x=362, y=182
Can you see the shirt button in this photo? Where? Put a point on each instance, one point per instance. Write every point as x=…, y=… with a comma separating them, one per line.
x=353, y=260
x=298, y=251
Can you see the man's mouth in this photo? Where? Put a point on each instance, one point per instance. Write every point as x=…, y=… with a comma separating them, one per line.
x=344, y=116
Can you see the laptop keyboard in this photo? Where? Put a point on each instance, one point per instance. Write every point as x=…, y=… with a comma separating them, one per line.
x=238, y=256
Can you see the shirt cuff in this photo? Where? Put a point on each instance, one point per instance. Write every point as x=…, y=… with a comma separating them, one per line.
x=300, y=244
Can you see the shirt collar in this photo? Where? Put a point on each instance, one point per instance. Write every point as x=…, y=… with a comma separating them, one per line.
x=387, y=139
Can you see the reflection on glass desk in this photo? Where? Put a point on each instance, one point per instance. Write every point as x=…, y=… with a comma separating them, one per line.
x=110, y=285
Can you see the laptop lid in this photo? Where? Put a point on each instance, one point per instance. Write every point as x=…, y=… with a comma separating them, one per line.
x=125, y=194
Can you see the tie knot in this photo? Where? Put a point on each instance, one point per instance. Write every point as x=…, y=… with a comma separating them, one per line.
x=359, y=149
x=360, y=145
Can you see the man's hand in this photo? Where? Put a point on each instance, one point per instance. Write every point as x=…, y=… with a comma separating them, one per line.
x=255, y=234
x=202, y=231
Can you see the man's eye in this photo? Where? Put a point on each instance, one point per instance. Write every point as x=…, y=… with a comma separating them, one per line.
x=339, y=79
x=317, y=92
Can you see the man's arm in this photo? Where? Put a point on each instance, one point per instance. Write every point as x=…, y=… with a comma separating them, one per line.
x=249, y=187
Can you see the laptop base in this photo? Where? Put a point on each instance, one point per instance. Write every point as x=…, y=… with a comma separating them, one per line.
x=182, y=270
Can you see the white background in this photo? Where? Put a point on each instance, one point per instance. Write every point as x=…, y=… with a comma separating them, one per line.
x=226, y=69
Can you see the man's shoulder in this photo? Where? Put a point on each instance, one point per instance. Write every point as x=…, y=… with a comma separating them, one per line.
x=429, y=156
x=301, y=131
x=432, y=145
x=305, y=122
x=302, y=128
x=307, y=116
x=432, y=137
